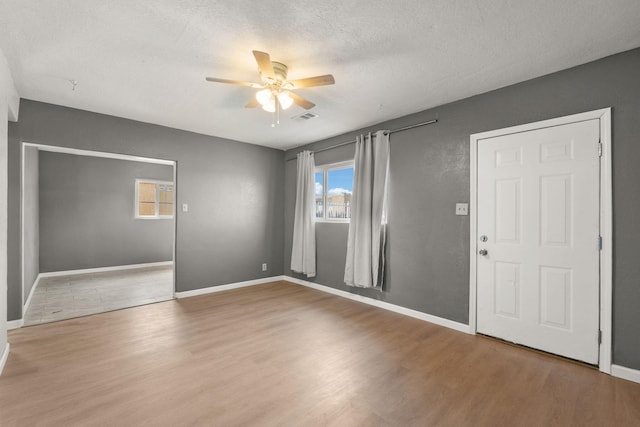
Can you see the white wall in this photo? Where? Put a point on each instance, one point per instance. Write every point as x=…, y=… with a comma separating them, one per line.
x=9, y=102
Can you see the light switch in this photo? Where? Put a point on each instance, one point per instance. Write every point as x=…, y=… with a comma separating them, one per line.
x=462, y=208
x=185, y=207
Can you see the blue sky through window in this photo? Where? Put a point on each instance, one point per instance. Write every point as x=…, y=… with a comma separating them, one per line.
x=319, y=184
x=340, y=179
x=334, y=202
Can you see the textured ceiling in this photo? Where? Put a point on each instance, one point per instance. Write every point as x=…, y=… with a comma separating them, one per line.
x=147, y=60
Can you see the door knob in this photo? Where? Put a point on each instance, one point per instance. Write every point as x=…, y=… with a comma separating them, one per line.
x=483, y=252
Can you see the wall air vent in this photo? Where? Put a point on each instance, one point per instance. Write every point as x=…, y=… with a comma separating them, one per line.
x=305, y=116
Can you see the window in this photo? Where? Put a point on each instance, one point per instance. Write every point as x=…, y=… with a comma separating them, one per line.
x=154, y=199
x=334, y=184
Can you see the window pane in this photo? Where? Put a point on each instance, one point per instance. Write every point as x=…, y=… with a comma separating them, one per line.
x=166, y=193
x=147, y=192
x=166, y=209
x=319, y=183
x=146, y=209
x=340, y=186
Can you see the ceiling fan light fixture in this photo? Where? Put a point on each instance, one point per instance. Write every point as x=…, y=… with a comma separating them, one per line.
x=270, y=106
x=264, y=96
x=285, y=100
x=276, y=92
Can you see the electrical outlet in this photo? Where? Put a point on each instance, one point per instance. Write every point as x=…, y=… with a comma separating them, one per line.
x=462, y=208
x=264, y=266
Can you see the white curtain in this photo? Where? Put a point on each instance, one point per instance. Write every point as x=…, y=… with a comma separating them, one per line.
x=367, y=230
x=303, y=252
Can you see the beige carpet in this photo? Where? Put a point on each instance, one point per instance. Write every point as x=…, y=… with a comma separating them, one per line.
x=65, y=297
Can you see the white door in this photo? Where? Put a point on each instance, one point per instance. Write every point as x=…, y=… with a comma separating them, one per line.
x=538, y=221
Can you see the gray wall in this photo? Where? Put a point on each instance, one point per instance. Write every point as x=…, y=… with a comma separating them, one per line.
x=234, y=191
x=87, y=213
x=428, y=246
x=8, y=110
x=31, y=220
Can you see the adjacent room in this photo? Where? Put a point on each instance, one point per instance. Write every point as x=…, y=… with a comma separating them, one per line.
x=98, y=232
x=331, y=213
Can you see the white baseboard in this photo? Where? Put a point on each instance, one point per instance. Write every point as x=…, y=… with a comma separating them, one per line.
x=5, y=356
x=31, y=292
x=15, y=324
x=385, y=305
x=105, y=269
x=625, y=373
x=220, y=288
x=381, y=304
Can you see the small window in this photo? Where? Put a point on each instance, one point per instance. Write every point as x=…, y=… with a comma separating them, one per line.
x=334, y=185
x=154, y=199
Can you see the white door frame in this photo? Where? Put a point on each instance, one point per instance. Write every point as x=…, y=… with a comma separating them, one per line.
x=606, y=220
x=89, y=153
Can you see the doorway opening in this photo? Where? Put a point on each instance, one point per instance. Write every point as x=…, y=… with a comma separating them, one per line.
x=90, y=242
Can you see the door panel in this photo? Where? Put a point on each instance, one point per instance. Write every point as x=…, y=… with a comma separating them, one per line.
x=507, y=289
x=555, y=209
x=556, y=297
x=538, y=206
x=508, y=211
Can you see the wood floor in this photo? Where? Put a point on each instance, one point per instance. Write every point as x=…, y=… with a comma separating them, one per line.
x=283, y=355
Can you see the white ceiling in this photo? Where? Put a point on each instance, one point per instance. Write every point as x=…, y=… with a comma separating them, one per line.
x=147, y=59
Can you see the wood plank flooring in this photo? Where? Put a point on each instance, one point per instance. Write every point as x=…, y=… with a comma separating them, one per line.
x=283, y=355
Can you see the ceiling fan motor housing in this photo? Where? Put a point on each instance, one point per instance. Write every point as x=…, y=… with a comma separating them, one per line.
x=280, y=70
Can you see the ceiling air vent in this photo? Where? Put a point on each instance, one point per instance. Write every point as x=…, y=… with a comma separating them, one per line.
x=305, y=116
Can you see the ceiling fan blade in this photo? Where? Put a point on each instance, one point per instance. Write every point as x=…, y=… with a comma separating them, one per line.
x=264, y=63
x=327, y=79
x=297, y=99
x=252, y=104
x=234, y=82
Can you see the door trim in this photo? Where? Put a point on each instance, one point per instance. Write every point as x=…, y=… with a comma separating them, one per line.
x=606, y=220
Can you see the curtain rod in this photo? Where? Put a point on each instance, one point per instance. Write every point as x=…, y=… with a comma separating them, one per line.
x=430, y=122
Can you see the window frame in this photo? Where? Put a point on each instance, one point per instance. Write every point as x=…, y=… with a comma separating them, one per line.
x=325, y=169
x=157, y=215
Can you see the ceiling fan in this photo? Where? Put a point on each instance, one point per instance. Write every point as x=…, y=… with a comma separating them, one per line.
x=275, y=92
